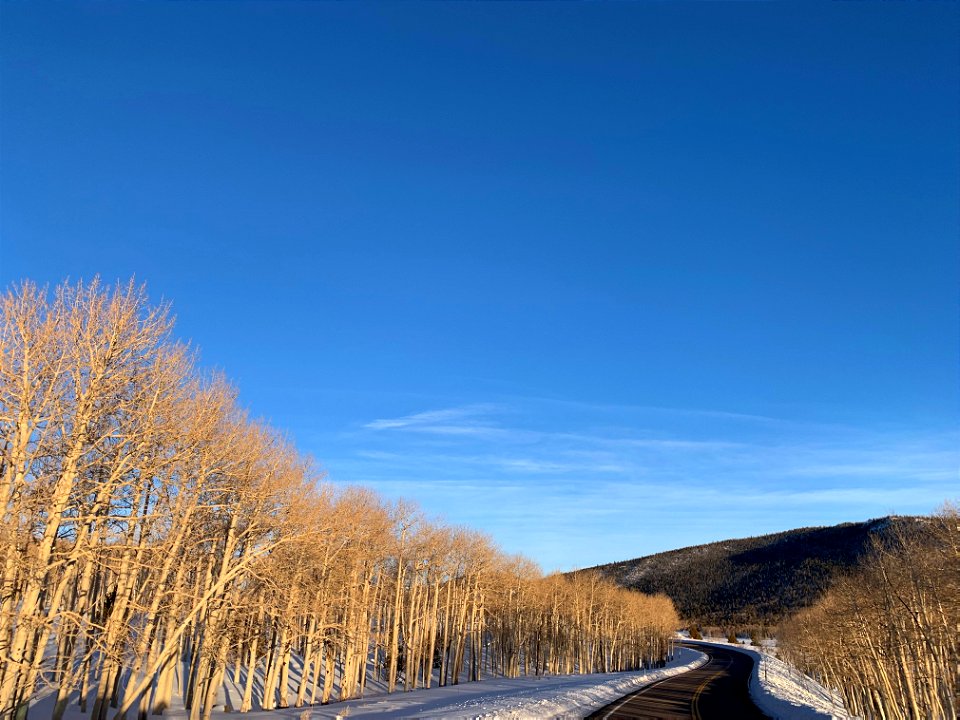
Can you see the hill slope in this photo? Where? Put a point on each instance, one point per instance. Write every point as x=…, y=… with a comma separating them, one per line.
x=757, y=580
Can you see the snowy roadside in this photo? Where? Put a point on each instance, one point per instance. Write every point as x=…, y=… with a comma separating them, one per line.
x=783, y=692
x=514, y=698
x=589, y=696
x=778, y=688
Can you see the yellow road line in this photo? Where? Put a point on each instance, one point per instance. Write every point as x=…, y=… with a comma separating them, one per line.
x=696, y=696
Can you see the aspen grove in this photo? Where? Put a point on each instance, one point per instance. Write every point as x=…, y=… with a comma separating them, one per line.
x=887, y=638
x=154, y=538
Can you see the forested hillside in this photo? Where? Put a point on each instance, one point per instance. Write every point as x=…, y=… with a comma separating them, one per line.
x=756, y=580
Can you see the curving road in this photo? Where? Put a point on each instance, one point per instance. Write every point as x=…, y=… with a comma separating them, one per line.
x=714, y=691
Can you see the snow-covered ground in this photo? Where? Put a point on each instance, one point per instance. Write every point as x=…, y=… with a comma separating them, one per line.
x=515, y=698
x=778, y=688
x=783, y=692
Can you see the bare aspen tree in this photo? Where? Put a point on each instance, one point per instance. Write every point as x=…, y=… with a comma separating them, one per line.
x=155, y=541
x=886, y=638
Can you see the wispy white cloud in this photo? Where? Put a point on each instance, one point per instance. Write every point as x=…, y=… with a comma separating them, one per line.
x=886, y=497
x=657, y=444
x=620, y=409
x=532, y=465
x=894, y=468
x=563, y=464
x=429, y=418
x=854, y=454
x=574, y=485
x=480, y=421
x=468, y=430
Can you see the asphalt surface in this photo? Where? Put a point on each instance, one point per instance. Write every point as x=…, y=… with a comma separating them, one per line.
x=715, y=691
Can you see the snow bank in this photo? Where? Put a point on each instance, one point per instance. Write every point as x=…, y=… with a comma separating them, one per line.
x=588, y=696
x=784, y=693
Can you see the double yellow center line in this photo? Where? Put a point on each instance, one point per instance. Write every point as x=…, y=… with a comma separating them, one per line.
x=696, y=696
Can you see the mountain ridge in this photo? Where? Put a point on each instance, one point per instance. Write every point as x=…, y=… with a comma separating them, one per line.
x=758, y=580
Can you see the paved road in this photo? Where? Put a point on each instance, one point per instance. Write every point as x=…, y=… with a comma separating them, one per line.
x=715, y=691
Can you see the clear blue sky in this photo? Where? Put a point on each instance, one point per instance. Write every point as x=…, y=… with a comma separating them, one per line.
x=600, y=279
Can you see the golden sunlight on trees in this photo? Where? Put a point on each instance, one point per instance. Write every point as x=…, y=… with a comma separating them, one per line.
x=154, y=538
x=888, y=637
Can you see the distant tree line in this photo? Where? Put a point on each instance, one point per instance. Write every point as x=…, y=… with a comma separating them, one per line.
x=887, y=637
x=154, y=535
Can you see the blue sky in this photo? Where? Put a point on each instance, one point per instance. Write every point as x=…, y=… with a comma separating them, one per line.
x=599, y=279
